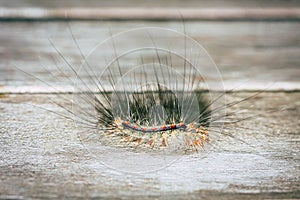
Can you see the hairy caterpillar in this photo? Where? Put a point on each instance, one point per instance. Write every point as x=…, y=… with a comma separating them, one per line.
x=160, y=96
x=228, y=160
x=152, y=95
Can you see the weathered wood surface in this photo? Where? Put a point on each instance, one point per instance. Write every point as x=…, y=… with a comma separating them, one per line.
x=144, y=14
x=40, y=153
x=145, y=10
x=259, y=55
x=41, y=157
x=148, y=4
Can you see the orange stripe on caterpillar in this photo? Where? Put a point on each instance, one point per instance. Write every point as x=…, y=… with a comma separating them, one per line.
x=127, y=124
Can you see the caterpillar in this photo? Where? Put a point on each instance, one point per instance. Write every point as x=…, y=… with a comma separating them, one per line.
x=159, y=97
x=117, y=92
x=153, y=94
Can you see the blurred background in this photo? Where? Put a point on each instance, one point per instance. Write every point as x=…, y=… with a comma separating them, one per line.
x=151, y=3
x=256, y=42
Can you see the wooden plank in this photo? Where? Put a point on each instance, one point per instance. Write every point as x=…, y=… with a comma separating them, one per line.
x=150, y=14
x=149, y=4
x=254, y=55
x=41, y=156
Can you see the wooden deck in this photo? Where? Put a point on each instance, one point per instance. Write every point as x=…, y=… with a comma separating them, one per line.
x=41, y=156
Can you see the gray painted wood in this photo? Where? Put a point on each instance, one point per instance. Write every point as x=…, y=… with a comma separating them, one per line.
x=42, y=157
x=254, y=55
